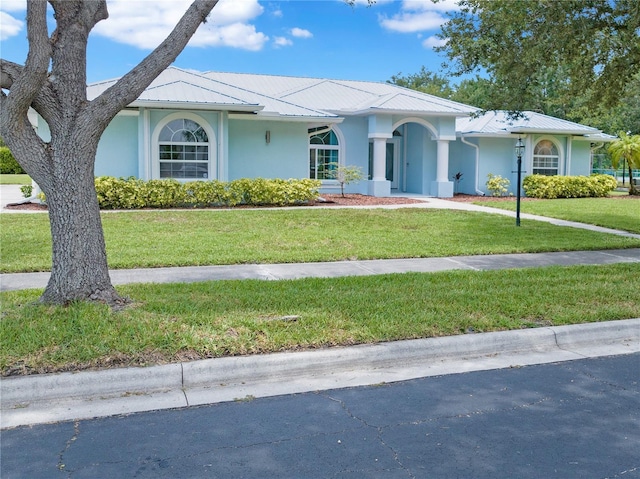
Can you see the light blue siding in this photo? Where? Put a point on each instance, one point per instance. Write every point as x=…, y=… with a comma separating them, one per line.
x=355, y=148
x=117, y=153
x=580, y=158
x=497, y=157
x=285, y=156
x=463, y=160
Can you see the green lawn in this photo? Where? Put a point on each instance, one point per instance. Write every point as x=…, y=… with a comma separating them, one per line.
x=205, y=237
x=618, y=213
x=178, y=322
x=15, y=180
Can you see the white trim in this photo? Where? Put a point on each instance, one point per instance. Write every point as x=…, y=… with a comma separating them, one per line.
x=155, y=150
x=128, y=113
x=558, y=144
x=262, y=117
x=144, y=168
x=421, y=121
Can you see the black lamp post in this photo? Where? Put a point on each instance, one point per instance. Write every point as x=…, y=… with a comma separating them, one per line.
x=519, y=153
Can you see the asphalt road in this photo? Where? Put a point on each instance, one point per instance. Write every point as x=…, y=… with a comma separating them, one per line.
x=576, y=419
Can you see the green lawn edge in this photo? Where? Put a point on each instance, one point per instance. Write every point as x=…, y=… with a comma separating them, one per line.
x=179, y=322
x=622, y=213
x=150, y=239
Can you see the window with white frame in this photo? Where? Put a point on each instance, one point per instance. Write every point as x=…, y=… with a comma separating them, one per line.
x=184, y=150
x=545, y=158
x=324, y=153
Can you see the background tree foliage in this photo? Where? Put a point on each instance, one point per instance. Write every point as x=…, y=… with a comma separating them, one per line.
x=573, y=59
x=587, y=48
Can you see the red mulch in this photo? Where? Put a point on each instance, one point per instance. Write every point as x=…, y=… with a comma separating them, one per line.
x=358, y=200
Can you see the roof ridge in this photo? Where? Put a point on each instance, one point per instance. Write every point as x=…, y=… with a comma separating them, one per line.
x=255, y=92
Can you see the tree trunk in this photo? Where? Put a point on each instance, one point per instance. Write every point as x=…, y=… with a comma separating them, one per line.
x=79, y=268
x=632, y=187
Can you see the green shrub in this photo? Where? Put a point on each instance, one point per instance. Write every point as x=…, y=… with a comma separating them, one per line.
x=8, y=164
x=497, y=185
x=208, y=193
x=26, y=190
x=550, y=187
x=129, y=193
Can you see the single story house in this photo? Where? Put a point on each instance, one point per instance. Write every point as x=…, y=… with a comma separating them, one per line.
x=199, y=126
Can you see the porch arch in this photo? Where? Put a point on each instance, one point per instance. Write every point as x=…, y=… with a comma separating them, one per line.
x=421, y=121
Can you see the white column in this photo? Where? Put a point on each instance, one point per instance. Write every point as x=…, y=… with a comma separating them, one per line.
x=442, y=168
x=379, y=159
x=442, y=187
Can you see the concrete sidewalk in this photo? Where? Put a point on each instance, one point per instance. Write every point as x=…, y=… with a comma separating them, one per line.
x=189, y=274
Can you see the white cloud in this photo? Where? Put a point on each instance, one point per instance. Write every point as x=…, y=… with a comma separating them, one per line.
x=433, y=41
x=144, y=24
x=10, y=26
x=442, y=5
x=301, y=33
x=13, y=6
x=418, y=16
x=237, y=35
x=409, y=22
x=282, y=42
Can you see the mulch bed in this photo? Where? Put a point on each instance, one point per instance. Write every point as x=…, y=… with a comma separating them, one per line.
x=357, y=200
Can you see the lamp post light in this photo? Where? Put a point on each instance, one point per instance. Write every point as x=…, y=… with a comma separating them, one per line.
x=519, y=153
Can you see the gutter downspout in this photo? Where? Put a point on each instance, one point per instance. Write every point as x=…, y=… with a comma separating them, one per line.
x=477, y=148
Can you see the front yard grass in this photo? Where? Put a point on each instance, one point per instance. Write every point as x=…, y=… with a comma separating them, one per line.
x=621, y=214
x=15, y=179
x=177, y=322
x=205, y=237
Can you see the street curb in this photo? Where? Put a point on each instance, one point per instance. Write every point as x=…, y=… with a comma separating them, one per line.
x=55, y=397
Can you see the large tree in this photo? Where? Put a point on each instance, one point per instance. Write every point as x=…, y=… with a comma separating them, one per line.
x=53, y=82
x=571, y=46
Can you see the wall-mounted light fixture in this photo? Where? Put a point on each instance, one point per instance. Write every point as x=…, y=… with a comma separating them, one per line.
x=267, y=137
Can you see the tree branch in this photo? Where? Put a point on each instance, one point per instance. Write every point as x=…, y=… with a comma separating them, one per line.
x=130, y=86
x=27, y=81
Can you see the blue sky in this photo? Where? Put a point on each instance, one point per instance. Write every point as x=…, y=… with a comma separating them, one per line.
x=317, y=38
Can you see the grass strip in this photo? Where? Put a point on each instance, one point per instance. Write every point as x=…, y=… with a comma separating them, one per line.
x=178, y=322
x=205, y=237
x=620, y=214
x=15, y=179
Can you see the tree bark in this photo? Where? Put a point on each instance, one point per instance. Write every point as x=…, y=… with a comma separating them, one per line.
x=79, y=268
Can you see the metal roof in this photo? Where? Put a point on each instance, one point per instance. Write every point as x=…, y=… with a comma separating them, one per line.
x=326, y=101
x=498, y=123
x=179, y=88
x=345, y=97
x=273, y=96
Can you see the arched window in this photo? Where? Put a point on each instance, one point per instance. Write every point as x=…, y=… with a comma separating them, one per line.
x=545, y=158
x=324, y=153
x=184, y=150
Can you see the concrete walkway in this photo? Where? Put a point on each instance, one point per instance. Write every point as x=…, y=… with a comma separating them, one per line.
x=190, y=274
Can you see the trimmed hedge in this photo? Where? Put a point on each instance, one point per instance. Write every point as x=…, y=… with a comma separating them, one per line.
x=8, y=164
x=132, y=193
x=550, y=187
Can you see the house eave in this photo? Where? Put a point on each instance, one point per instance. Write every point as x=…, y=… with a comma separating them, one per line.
x=383, y=111
x=189, y=105
x=287, y=118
